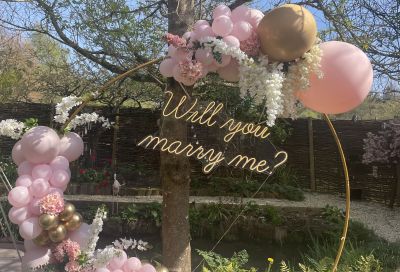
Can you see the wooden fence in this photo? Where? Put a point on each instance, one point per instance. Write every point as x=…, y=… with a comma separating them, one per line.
x=312, y=151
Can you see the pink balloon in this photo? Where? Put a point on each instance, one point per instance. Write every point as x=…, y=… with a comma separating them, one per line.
x=59, y=162
x=40, y=187
x=230, y=72
x=222, y=26
x=232, y=41
x=17, y=154
x=239, y=13
x=34, y=206
x=118, y=261
x=40, y=144
x=33, y=259
x=29, y=245
x=147, y=268
x=182, y=54
x=167, y=66
x=19, y=196
x=212, y=68
x=81, y=235
x=178, y=77
x=205, y=56
x=242, y=30
x=60, y=179
x=187, y=35
x=43, y=171
x=200, y=23
x=56, y=190
x=24, y=180
x=225, y=60
x=102, y=269
x=221, y=10
x=347, y=80
x=30, y=228
x=171, y=50
x=19, y=215
x=132, y=264
x=71, y=146
x=204, y=31
x=254, y=17
x=118, y=270
x=204, y=71
x=25, y=168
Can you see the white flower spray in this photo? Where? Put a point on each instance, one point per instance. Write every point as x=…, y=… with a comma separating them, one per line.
x=12, y=128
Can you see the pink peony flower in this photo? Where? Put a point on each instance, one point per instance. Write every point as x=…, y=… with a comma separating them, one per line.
x=191, y=70
x=72, y=266
x=251, y=46
x=52, y=204
x=175, y=40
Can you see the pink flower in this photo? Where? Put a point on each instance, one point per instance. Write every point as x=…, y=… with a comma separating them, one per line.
x=191, y=70
x=72, y=266
x=72, y=249
x=251, y=46
x=175, y=40
x=52, y=204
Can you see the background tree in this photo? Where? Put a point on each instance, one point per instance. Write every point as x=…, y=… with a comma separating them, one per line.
x=384, y=148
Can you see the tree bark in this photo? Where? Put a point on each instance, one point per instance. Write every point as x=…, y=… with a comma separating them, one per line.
x=396, y=188
x=175, y=170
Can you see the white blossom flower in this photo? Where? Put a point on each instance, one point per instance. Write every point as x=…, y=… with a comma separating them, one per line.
x=95, y=228
x=103, y=256
x=87, y=119
x=12, y=128
x=63, y=108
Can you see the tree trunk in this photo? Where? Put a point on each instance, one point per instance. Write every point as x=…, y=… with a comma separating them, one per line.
x=175, y=170
x=396, y=187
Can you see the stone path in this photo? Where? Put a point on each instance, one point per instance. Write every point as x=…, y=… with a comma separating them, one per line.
x=9, y=261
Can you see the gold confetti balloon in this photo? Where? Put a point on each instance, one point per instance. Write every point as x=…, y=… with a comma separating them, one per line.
x=287, y=32
x=48, y=221
x=43, y=239
x=74, y=222
x=58, y=233
x=69, y=210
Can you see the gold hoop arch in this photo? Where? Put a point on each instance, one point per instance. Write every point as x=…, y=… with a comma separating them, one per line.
x=328, y=121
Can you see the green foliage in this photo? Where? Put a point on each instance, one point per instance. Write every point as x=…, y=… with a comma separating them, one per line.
x=89, y=212
x=30, y=123
x=280, y=132
x=9, y=168
x=133, y=213
x=217, y=263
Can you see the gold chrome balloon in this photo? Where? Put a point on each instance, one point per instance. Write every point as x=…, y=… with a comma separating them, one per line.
x=161, y=268
x=58, y=233
x=74, y=222
x=69, y=210
x=287, y=32
x=48, y=221
x=43, y=239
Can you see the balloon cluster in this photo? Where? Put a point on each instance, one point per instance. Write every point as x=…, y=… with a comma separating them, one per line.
x=237, y=28
x=122, y=263
x=37, y=199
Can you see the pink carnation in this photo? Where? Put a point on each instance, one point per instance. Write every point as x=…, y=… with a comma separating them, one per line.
x=251, y=46
x=72, y=266
x=67, y=248
x=191, y=69
x=52, y=204
x=175, y=40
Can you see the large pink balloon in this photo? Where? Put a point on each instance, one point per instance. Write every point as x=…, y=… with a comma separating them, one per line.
x=19, y=196
x=81, y=235
x=40, y=187
x=30, y=228
x=35, y=258
x=59, y=162
x=71, y=146
x=34, y=207
x=17, y=154
x=53, y=190
x=25, y=168
x=240, y=13
x=60, y=179
x=346, y=83
x=24, y=180
x=43, y=171
x=147, y=268
x=166, y=67
x=102, y=269
x=232, y=41
x=242, y=30
x=40, y=144
x=205, y=56
x=19, y=215
x=132, y=264
x=203, y=31
x=118, y=261
x=200, y=23
x=254, y=17
x=222, y=26
x=230, y=72
x=118, y=270
x=221, y=10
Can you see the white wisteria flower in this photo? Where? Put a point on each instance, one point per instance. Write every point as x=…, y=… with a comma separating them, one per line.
x=95, y=228
x=103, y=256
x=89, y=118
x=12, y=128
x=125, y=244
x=63, y=108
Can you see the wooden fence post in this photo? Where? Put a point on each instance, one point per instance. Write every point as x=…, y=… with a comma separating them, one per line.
x=313, y=185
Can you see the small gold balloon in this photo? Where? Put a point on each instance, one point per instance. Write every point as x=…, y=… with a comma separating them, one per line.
x=58, y=233
x=48, y=221
x=74, y=222
x=69, y=210
x=287, y=32
x=43, y=239
x=161, y=268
